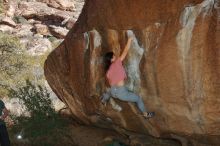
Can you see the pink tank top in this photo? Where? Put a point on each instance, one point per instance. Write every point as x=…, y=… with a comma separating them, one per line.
x=116, y=72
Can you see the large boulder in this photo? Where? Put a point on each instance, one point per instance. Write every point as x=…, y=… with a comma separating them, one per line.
x=10, y=9
x=6, y=29
x=38, y=45
x=173, y=64
x=41, y=11
x=60, y=4
x=7, y=21
x=24, y=30
x=58, y=32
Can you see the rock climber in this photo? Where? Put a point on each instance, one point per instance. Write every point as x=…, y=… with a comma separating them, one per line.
x=116, y=76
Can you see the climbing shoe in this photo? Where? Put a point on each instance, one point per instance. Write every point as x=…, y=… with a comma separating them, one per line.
x=149, y=114
x=115, y=106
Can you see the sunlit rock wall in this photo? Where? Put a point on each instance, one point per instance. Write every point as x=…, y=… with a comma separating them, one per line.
x=173, y=64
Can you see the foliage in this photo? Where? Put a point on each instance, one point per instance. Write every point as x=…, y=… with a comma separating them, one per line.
x=1, y=6
x=52, y=39
x=9, y=50
x=43, y=121
x=35, y=98
x=12, y=62
x=16, y=65
x=20, y=20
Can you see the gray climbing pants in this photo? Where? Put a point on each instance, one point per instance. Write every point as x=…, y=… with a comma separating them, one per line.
x=122, y=93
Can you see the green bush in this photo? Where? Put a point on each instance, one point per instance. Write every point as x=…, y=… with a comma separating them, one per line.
x=43, y=122
x=12, y=62
x=35, y=98
x=20, y=19
x=52, y=39
x=16, y=65
x=11, y=53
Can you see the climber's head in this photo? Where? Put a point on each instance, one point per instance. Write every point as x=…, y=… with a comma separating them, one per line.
x=108, y=59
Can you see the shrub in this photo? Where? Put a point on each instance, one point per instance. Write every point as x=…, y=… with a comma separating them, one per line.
x=20, y=19
x=12, y=62
x=1, y=6
x=43, y=122
x=16, y=65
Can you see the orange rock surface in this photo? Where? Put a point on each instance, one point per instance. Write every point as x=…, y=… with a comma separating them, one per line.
x=173, y=64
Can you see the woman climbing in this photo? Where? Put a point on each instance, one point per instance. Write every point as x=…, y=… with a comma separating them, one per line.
x=116, y=76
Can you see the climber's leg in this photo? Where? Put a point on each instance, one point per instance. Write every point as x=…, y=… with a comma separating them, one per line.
x=123, y=94
x=105, y=97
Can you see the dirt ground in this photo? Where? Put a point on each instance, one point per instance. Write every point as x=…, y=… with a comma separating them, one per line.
x=80, y=135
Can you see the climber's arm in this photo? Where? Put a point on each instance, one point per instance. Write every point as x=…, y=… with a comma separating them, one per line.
x=125, y=51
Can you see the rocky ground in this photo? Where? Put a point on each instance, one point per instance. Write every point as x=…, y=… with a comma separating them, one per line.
x=79, y=135
x=40, y=24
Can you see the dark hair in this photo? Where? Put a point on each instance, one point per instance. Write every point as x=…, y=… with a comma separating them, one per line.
x=107, y=60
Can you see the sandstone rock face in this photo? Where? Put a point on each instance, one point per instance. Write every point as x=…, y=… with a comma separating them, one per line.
x=41, y=29
x=11, y=8
x=8, y=21
x=24, y=31
x=173, y=64
x=60, y=4
x=58, y=32
x=38, y=46
x=6, y=28
x=29, y=19
x=40, y=26
x=42, y=11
